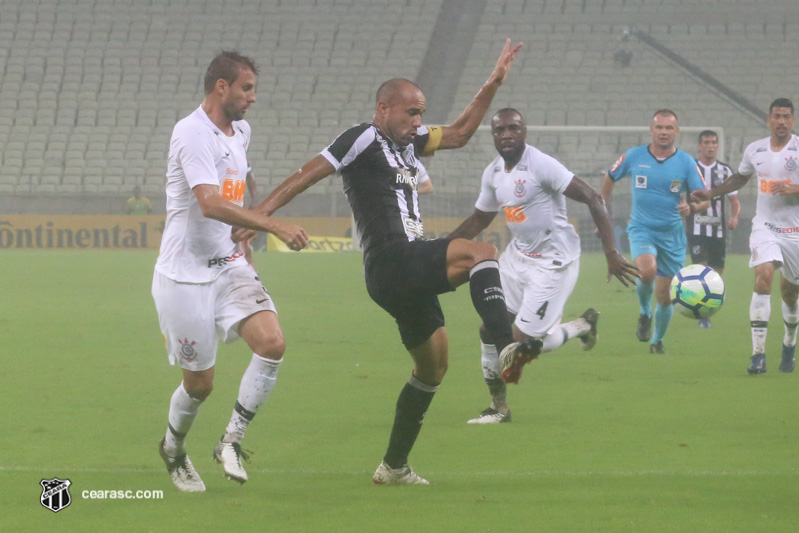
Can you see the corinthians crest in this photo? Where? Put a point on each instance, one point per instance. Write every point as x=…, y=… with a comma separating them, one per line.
x=519, y=190
x=187, y=350
x=55, y=493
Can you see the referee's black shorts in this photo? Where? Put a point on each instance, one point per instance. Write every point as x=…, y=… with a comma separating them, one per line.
x=405, y=278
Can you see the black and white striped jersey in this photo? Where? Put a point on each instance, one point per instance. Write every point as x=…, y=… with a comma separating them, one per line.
x=712, y=222
x=380, y=181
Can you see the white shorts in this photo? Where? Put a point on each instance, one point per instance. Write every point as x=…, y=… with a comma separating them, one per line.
x=194, y=317
x=767, y=246
x=535, y=294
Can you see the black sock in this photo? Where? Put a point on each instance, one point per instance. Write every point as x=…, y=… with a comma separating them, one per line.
x=498, y=391
x=412, y=405
x=489, y=301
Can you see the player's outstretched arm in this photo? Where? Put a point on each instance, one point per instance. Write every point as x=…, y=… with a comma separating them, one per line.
x=214, y=206
x=473, y=225
x=314, y=170
x=733, y=183
x=580, y=191
x=461, y=130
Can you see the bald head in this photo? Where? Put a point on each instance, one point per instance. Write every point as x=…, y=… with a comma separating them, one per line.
x=399, y=108
x=394, y=89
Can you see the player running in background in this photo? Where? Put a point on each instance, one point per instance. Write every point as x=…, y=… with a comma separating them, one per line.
x=404, y=272
x=540, y=265
x=661, y=176
x=203, y=287
x=774, y=241
x=706, y=236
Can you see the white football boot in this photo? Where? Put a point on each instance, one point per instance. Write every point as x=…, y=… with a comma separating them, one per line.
x=183, y=474
x=229, y=454
x=385, y=475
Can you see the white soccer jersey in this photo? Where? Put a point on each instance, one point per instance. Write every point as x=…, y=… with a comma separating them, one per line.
x=778, y=212
x=531, y=196
x=195, y=249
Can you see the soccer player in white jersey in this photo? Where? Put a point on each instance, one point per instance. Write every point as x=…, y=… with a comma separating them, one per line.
x=774, y=241
x=540, y=265
x=204, y=286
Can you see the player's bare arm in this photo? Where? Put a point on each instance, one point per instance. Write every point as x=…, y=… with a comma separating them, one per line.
x=425, y=188
x=700, y=207
x=580, y=191
x=243, y=235
x=311, y=172
x=214, y=206
x=473, y=225
x=607, y=190
x=784, y=187
x=733, y=183
x=461, y=130
x=251, y=187
x=732, y=223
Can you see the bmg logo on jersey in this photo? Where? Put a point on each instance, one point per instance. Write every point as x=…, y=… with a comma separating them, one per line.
x=233, y=190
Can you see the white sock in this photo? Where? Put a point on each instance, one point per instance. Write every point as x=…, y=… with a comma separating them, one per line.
x=183, y=410
x=759, y=313
x=492, y=369
x=256, y=384
x=790, y=315
x=492, y=372
x=559, y=335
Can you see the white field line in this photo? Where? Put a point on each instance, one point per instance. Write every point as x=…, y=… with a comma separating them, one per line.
x=493, y=473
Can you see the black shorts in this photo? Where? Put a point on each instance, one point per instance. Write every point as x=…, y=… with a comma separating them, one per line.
x=405, y=278
x=710, y=250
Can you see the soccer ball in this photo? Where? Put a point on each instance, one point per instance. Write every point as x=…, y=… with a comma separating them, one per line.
x=697, y=291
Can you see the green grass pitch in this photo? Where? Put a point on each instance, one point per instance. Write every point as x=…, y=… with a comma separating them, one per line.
x=611, y=440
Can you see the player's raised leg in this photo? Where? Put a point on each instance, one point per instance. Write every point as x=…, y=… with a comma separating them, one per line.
x=262, y=333
x=476, y=262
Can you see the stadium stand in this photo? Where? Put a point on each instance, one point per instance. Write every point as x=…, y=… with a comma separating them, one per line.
x=91, y=89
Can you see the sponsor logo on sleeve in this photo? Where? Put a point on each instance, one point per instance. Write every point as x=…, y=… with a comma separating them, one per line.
x=617, y=164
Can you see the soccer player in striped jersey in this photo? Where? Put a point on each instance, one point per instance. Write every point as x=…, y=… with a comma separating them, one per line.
x=661, y=176
x=774, y=241
x=706, y=235
x=405, y=273
x=540, y=265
